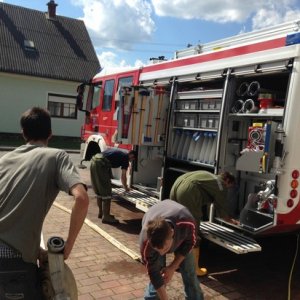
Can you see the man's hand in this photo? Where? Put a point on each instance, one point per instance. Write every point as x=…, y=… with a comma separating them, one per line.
x=124, y=180
x=235, y=222
x=232, y=221
x=42, y=257
x=167, y=274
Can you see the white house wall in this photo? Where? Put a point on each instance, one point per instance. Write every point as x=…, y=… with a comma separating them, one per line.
x=19, y=93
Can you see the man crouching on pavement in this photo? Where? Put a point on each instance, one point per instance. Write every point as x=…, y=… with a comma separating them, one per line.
x=31, y=177
x=169, y=227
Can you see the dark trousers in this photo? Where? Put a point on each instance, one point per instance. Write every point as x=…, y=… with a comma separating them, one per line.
x=19, y=280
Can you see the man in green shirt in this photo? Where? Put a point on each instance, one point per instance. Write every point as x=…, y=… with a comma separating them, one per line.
x=199, y=188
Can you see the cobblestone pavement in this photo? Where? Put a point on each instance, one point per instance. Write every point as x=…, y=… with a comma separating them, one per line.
x=104, y=271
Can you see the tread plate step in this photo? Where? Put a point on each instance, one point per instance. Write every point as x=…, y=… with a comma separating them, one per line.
x=228, y=238
x=141, y=200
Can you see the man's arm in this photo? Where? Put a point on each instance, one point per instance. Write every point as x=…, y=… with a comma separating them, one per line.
x=168, y=271
x=79, y=212
x=162, y=293
x=223, y=212
x=124, y=180
x=188, y=234
x=153, y=263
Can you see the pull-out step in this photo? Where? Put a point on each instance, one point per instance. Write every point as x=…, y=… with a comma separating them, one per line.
x=141, y=200
x=228, y=238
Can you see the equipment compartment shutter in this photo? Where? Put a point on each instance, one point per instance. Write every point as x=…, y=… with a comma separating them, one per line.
x=270, y=67
x=162, y=81
x=205, y=76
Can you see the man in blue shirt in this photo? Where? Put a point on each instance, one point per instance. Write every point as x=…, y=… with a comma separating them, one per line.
x=101, y=175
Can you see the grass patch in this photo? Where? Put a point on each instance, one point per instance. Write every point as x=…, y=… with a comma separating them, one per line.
x=65, y=143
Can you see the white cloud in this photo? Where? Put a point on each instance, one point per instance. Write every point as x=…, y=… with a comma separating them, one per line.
x=110, y=61
x=262, y=12
x=117, y=23
x=213, y=10
x=275, y=14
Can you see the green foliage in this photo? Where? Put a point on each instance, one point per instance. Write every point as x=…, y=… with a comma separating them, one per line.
x=16, y=140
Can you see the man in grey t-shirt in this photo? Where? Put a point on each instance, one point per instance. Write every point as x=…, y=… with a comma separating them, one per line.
x=31, y=176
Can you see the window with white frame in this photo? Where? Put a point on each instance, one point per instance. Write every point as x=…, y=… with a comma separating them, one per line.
x=62, y=106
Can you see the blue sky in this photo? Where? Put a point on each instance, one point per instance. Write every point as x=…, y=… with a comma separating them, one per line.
x=129, y=32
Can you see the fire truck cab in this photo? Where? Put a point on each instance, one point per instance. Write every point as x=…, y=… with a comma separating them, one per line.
x=231, y=105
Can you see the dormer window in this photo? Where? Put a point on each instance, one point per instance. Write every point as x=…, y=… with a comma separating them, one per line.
x=29, y=45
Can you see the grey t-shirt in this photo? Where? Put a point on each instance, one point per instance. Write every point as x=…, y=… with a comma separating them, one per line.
x=31, y=176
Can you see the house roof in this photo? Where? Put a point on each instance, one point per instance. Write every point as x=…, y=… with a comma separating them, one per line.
x=35, y=45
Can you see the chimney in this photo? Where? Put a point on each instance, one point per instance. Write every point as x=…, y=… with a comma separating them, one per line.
x=51, y=9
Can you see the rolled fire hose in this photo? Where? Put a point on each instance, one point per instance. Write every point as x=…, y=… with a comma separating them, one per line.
x=238, y=106
x=62, y=278
x=242, y=89
x=253, y=88
x=249, y=106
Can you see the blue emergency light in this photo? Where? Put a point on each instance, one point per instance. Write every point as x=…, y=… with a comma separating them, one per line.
x=292, y=39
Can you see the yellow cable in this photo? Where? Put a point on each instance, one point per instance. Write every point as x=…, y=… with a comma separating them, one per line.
x=292, y=269
x=263, y=163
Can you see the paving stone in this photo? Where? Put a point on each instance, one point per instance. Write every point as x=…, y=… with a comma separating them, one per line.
x=103, y=271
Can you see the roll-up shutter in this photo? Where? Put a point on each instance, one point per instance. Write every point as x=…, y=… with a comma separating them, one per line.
x=269, y=67
x=160, y=82
x=205, y=76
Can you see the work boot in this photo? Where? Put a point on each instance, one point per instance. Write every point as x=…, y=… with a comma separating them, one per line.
x=199, y=271
x=107, y=218
x=99, y=202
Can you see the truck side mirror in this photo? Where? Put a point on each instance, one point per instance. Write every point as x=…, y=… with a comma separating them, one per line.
x=80, y=94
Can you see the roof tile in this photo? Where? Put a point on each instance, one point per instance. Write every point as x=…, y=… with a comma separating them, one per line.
x=63, y=48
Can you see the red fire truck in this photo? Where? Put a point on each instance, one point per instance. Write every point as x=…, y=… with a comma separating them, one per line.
x=228, y=105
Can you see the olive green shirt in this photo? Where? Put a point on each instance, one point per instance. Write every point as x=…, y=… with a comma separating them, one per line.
x=198, y=188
